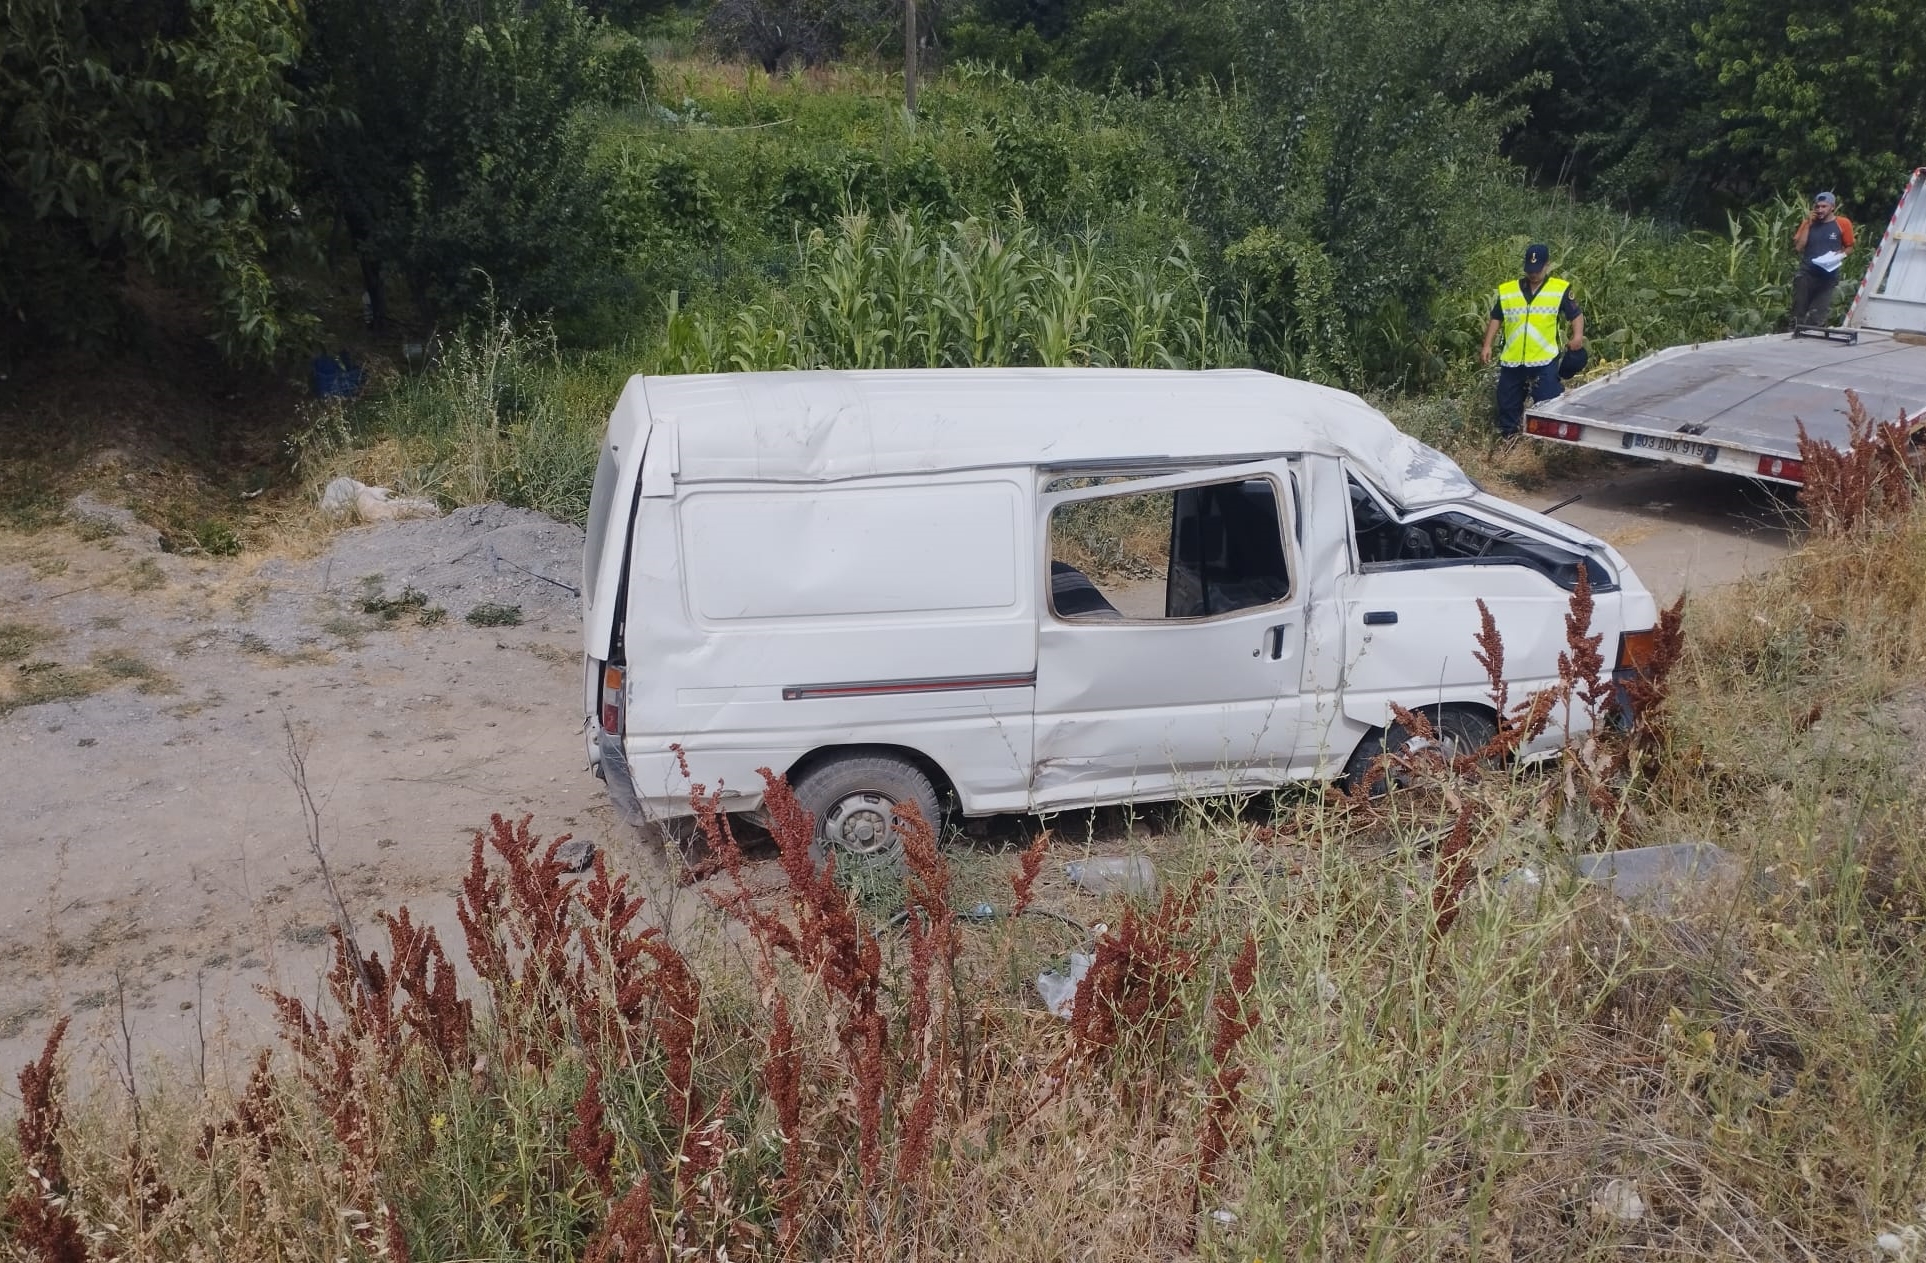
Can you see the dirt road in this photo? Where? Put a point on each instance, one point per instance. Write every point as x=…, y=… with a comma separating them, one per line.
x=154, y=848
x=1682, y=529
x=154, y=843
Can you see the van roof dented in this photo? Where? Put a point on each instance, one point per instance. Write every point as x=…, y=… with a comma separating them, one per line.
x=824, y=426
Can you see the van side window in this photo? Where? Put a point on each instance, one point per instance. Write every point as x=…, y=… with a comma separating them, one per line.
x=1196, y=552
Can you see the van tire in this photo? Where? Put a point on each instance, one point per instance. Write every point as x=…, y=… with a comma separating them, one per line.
x=850, y=799
x=1458, y=729
x=675, y=835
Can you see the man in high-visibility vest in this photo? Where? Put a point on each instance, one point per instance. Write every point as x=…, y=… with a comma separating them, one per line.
x=1528, y=311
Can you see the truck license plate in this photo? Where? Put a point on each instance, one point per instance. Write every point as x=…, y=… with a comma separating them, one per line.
x=1676, y=447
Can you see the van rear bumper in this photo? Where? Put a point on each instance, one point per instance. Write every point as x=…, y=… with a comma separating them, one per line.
x=612, y=765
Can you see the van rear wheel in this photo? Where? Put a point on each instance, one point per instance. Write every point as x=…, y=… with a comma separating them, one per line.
x=853, y=798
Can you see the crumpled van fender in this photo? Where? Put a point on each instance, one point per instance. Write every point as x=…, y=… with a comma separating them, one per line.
x=1371, y=711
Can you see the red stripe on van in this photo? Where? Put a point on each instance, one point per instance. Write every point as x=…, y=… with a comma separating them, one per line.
x=878, y=688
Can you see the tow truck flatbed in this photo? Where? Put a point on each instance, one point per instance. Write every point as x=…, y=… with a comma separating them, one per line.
x=1737, y=405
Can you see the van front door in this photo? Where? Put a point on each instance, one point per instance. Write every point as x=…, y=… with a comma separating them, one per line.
x=1411, y=606
x=1170, y=651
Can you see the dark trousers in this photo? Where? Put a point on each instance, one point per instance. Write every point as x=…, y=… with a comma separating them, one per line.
x=1812, y=297
x=1513, y=381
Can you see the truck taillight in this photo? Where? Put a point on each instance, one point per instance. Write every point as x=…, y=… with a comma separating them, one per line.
x=1780, y=467
x=612, y=677
x=1568, y=431
x=1637, y=648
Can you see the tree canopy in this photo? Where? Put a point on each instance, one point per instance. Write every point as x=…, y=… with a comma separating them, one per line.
x=1333, y=153
x=209, y=145
x=148, y=138
x=1821, y=96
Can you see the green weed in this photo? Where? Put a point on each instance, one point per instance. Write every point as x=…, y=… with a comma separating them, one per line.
x=410, y=603
x=28, y=502
x=489, y=614
x=351, y=632
x=217, y=538
x=145, y=575
x=36, y=682
x=18, y=640
x=121, y=666
x=93, y=528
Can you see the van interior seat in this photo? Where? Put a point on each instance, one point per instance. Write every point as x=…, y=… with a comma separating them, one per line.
x=1072, y=594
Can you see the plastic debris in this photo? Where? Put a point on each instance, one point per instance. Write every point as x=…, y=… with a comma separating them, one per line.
x=1059, y=990
x=336, y=376
x=1524, y=879
x=352, y=498
x=1903, y=1243
x=1619, y=1199
x=1108, y=874
x=1658, y=875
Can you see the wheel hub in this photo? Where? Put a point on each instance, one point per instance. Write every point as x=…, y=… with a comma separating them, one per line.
x=860, y=824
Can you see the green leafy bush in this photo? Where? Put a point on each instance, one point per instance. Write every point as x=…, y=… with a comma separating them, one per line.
x=456, y=154
x=148, y=139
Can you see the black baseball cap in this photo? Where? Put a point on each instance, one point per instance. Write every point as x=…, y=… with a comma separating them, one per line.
x=1537, y=255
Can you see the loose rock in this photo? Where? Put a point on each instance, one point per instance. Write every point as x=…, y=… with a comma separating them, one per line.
x=112, y=519
x=575, y=855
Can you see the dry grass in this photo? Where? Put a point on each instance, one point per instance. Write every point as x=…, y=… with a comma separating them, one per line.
x=37, y=681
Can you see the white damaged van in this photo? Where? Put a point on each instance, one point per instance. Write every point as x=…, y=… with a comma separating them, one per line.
x=1026, y=590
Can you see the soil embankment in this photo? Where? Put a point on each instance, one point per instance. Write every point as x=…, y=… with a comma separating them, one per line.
x=154, y=843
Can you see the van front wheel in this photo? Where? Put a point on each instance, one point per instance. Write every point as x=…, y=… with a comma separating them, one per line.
x=853, y=799
x=1456, y=731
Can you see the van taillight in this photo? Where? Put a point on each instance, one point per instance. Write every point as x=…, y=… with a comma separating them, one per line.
x=612, y=676
x=1781, y=467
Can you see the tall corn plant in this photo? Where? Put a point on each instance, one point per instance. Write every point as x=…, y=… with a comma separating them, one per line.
x=902, y=293
x=1067, y=309
x=840, y=274
x=987, y=292
x=906, y=278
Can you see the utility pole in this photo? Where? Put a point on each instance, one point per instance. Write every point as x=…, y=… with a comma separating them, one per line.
x=909, y=55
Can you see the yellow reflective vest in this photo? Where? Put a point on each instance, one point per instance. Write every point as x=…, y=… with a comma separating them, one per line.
x=1531, y=328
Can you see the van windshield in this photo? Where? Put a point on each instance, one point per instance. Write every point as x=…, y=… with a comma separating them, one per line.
x=1448, y=538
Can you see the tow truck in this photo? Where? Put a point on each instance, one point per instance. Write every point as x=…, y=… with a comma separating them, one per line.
x=1737, y=405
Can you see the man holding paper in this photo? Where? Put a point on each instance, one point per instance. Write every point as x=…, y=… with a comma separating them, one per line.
x=1822, y=242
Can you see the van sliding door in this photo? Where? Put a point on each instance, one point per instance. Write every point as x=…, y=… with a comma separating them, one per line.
x=1170, y=650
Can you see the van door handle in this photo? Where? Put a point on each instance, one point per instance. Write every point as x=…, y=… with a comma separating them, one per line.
x=1276, y=637
x=1380, y=618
